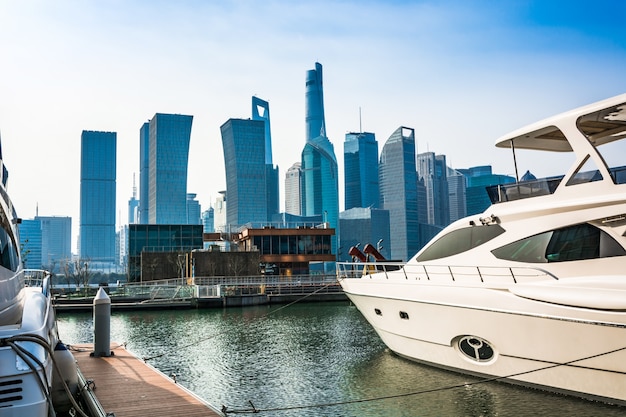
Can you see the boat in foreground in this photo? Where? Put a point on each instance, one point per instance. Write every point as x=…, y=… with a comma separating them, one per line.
x=37, y=374
x=533, y=290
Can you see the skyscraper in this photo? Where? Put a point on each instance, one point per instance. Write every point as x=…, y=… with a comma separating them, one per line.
x=97, y=197
x=320, y=184
x=432, y=169
x=243, y=142
x=398, y=192
x=261, y=111
x=314, y=103
x=144, y=174
x=456, y=194
x=46, y=242
x=293, y=189
x=360, y=158
x=193, y=209
x=170, y=135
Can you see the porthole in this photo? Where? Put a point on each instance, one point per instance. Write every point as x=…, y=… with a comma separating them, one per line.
x=476, y=348
x=404, y=315
x=378, y=312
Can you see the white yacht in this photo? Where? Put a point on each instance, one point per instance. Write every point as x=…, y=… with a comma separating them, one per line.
x=533, y=290
x=29, y=342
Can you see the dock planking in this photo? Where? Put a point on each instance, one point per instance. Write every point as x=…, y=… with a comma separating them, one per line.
x=129, y=387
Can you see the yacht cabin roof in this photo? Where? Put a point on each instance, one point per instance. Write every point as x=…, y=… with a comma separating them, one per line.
x=601, y=122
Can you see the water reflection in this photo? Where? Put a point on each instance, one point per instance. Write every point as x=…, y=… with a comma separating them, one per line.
x=307, y=355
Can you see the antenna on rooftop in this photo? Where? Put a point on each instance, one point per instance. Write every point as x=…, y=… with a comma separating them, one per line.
x=360, y=125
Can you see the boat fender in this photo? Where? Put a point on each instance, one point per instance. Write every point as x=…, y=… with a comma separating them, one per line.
x=67, y=366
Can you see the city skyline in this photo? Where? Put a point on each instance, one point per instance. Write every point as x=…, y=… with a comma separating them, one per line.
x=478, y=70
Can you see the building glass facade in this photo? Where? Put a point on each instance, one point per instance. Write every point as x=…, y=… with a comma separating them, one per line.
x=398, y=191
x=433, y=171
x=30, y=239
x=320, y=185
x=314, y=104
x=243, y=142
x=360, y=158
x=97, y=197
x=144, y=174
x=159, y=238
x=170, y=135
x=261, y=111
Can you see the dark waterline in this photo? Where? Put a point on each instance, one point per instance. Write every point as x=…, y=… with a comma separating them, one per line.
x=297, y=361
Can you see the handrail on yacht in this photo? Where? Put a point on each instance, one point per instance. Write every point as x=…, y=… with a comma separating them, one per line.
x=38, y=278
x=462, y=274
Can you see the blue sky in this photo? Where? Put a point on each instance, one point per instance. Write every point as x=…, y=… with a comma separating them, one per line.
x=462, y=73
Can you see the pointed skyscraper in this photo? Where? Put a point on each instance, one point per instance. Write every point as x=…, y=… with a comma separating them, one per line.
x=320, y=185
x=314, y=104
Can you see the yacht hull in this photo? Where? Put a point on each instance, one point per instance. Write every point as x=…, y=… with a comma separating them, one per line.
x=563, y=349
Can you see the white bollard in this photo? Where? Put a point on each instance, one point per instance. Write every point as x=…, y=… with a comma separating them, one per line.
x=101, y=324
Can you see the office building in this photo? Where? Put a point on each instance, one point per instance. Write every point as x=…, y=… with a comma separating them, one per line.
x=193, y=209
x=360, y=158
x=30, y=239
x=261, y=111
x=144, y=174
x=314, y=103
x=133, y=205
x=169, y=139
x=398, y=192
x=320, y=184
x=97, y=198
x=243, y=142
x=293, y=189
x=456, y=195
x=432, y=170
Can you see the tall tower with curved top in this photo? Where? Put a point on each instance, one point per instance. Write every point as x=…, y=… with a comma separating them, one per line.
x=320, y=185
x=314, y=104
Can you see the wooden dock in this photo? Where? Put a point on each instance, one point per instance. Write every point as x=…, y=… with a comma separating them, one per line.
x=125, y=385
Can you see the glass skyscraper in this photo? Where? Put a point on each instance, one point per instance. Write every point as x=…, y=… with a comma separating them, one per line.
x=144, y=174
x=360, y=158
x=320, y=184
x=243, y=142
x=169, y=139
x=47, y=242
x=398, y=192
x=314, y=103
x=261, y=111
x=433, y=171
x=97, y=197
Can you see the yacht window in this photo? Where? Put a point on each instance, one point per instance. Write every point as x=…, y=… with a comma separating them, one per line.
x=8, y=252
x=460, y=240
x=582, y=241
x=587, y=172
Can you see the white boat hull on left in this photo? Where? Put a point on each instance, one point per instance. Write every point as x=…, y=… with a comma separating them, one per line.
x=558, y=348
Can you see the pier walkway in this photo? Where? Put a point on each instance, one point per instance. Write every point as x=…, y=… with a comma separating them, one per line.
x=125, y=385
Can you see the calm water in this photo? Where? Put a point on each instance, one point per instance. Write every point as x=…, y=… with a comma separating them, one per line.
x=297, y=360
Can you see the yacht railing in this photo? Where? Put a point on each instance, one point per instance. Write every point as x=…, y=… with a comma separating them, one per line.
x=463, y=274
x=37, y=278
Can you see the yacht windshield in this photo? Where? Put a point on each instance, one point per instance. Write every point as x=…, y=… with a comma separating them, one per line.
x=459, y=241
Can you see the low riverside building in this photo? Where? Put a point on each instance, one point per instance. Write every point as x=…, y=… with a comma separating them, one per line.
x=158, y=252
x=288, y=251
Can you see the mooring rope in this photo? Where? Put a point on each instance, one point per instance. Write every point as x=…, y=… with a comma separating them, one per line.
x=255, y=410
x=263, y=316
